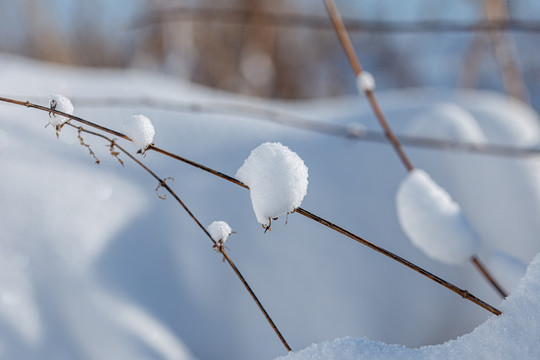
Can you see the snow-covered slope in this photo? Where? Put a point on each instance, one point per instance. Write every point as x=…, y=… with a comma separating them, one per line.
x=94, y=265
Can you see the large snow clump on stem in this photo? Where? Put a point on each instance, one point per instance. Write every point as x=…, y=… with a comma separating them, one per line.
x=140, y=130
x=60, y=103
x=433, y=221
x=277, y=178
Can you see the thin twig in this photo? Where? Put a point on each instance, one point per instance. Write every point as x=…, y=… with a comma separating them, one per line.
x=483, y=270
x=248, y=288
x=464, y=293
x=163, y=184
x=241, y=16
x=345, y=40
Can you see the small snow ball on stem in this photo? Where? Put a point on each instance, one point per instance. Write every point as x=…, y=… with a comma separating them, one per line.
x=219, y=231
x=140, y=130
x=433, y=221
x=365, y=82
x=59, y=103
x=277, y=178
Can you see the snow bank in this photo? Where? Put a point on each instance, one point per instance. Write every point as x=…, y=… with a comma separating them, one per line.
x=60, y=103
x=512, y=335
x=219, y=231
x=140, y=130
x=433, y=221
x=277, y=178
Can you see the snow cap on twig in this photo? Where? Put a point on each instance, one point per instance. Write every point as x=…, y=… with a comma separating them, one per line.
x=219, y=231
x=433, y=221
x=365, y=82
x=60, y=103
x=140, y=130
x=277, y=178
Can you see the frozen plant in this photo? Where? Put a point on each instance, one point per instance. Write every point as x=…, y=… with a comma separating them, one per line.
x=140, y=130
x=59, y=103
x=219, y=231
x=365, y=82
x=277, y=178
x=433, y=221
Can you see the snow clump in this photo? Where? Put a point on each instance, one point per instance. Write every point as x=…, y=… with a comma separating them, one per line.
x=60, y=103
x=277, y=178
x=433, y=221
x=365, y=82
x=140, y=130
x=219, y=231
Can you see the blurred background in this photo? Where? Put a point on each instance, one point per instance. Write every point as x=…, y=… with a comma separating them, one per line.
x=286, y=49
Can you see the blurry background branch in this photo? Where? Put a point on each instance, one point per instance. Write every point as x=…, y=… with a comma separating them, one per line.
x=260, y=48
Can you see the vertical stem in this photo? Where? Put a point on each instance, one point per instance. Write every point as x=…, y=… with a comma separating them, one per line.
x=476, y=262
x=276, y=330
x=357, y=68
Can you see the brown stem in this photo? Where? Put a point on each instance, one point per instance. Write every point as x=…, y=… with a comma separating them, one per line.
x=483, y=270
x=248, y=288
x=345, y=40
x=164, y=185
x=464, y=293
x=357, y=68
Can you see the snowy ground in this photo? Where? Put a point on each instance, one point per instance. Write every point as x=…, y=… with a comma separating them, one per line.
x=93, y=265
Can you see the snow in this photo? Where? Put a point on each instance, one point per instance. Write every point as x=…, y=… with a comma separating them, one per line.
x=82, y=267
x=433, y=222
x=219, y=231
x=512, y=335
x=139, y=129
x=277, y=178
x=506, y=269
x=60, y=103
x=365, y=82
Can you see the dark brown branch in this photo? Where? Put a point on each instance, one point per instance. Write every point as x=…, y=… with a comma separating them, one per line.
x=345, y=40
x=163, y=184
x=248, y=288
x=483, y=270
x=240, y=16
x=464, y=293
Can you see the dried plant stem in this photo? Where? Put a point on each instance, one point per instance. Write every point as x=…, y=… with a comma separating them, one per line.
x=163, y=184
x=248, y=288
x=345, y=40
x=464, y=293
x=357, y=68
x=483, y=270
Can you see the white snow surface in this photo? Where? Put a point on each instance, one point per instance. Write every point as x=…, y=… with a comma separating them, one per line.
x=93, y=265
x=219, y=231
x=139, y=128
x=365, y=82
x=512, y=335
x=277, y=178
x=433, y=221
x=60, y=103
